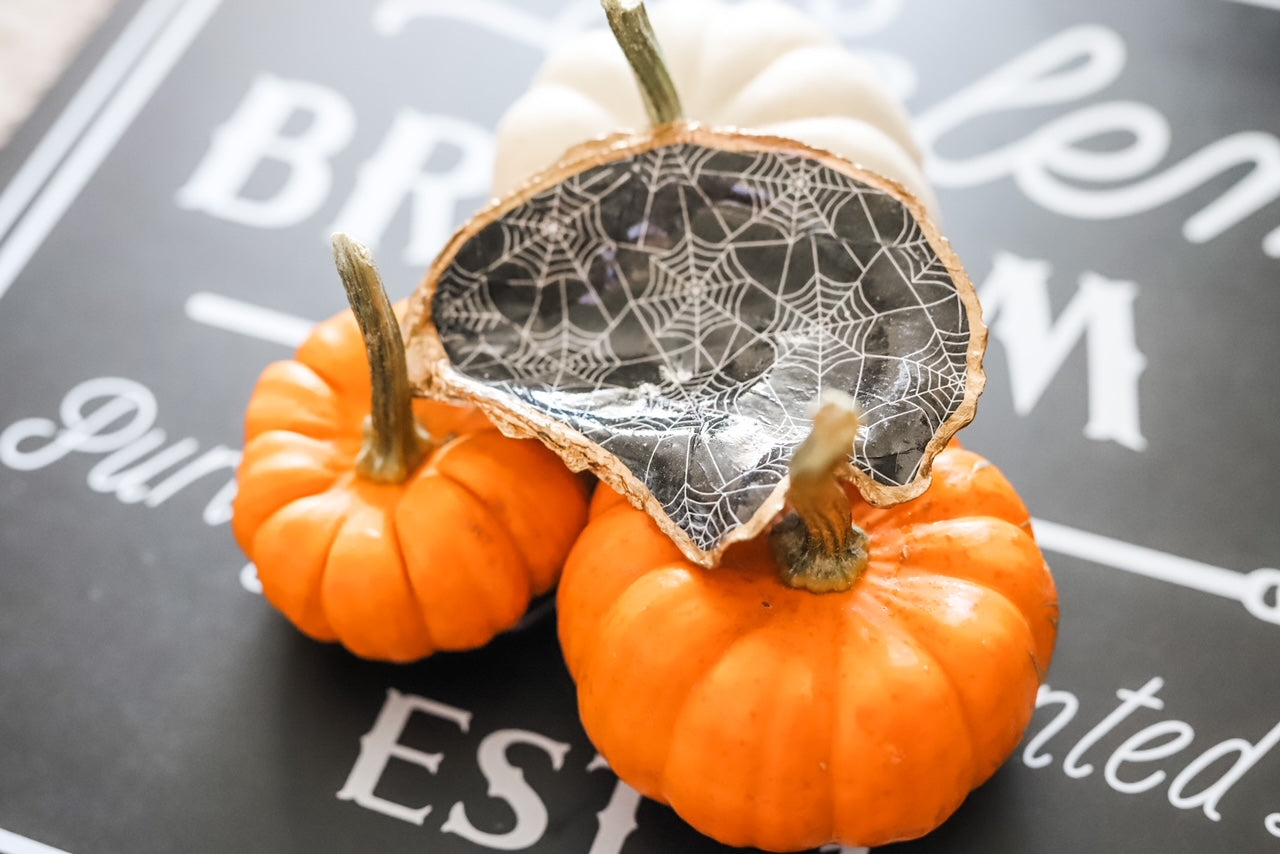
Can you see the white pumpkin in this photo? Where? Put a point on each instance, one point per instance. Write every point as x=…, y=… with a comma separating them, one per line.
x=757, y=66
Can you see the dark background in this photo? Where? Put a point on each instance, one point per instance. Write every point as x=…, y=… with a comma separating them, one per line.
x=148, y=702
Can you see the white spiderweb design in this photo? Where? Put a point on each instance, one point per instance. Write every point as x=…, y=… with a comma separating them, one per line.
x=682, y=308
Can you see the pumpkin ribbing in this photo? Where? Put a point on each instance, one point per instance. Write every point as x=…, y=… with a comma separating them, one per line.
x=781, y=719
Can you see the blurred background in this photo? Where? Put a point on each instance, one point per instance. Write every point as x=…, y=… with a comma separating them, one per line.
x=37, y=37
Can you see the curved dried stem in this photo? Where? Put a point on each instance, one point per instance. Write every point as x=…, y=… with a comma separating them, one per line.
x=631, y=27
x=394, y=443
x=817, y=546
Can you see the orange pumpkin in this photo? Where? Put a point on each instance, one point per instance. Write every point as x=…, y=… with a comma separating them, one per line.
x=775, y=717
x=371, y=533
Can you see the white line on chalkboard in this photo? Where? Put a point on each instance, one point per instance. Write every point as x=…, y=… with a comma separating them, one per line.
x=1258, y=591
x=88, y=99
x=1265, y=4
x=247, y=319
x=101, y=138
x=12, y=843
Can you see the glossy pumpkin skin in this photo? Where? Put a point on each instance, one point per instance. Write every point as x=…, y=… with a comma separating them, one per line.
x=443, y=561
x=759, y=66
x=782, y=719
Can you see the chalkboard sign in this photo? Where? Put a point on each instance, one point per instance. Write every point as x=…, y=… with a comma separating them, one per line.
x=1110, y=174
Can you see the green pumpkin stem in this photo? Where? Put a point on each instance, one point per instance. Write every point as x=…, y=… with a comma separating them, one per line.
x=817, y=546
x=630, y=24
x=394, y=442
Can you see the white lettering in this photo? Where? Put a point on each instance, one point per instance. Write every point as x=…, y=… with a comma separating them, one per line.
x=121, y=428
x=1071, y=65
x=130, y=485
x=217, y=458
x=255, y=134
x=1015, y=299
x=398, y=170
x=1031, y=757
x=249, y=579
x=381, y=744
x=507, y=782
x=1158, y=741
x=1134, y=750
x=82, y=431
x=1254, y=191
x=219, y=509
x=617, y=820
x=1130, y=702
x=1207, y=799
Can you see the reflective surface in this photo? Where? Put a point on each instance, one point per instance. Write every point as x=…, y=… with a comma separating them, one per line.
x=682, y=307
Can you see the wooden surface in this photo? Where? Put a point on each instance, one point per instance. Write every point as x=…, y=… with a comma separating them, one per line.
x=37, y=38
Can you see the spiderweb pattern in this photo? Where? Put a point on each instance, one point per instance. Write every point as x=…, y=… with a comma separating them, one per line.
x=682, y=308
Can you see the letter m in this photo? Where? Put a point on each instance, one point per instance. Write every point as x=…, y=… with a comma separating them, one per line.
x=1015, y=300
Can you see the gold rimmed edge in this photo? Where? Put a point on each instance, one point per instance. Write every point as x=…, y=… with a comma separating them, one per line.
x=433, y=376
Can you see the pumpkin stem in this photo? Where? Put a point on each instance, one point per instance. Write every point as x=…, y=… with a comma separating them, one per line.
x=630, y=24
x=817, y=546
x=394, y=442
